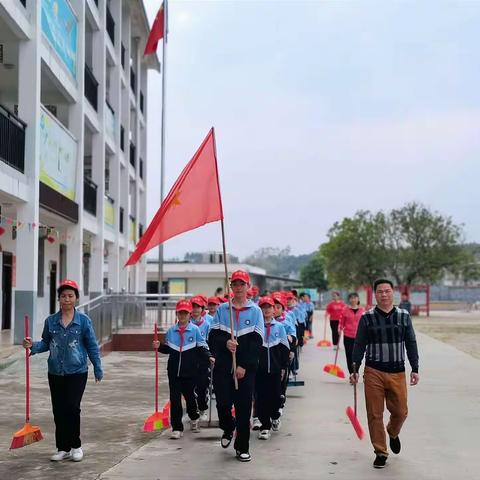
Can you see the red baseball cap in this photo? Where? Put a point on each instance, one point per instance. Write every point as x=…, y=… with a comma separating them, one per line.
x=255, y=290
x=240, y=275
x=266, y=300
x=184, y=306
x=69, y=284
x=279, y=298
x=250, y=293
x=289, y=296
x=214, y=300
x=199, y=300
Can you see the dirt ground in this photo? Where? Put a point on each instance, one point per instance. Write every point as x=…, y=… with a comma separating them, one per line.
x=460, y=329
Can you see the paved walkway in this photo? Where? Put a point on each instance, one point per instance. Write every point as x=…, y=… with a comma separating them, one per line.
x=316, y=440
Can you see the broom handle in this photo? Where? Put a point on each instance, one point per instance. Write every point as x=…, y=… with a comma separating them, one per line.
x=337, y=349
x=27, y=375
x=354, y=365
x=155, y=336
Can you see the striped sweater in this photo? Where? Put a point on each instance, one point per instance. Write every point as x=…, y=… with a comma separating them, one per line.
x=383, y=338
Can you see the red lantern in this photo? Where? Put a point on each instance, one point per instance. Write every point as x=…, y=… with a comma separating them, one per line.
x=51, y=239
x=2, y=230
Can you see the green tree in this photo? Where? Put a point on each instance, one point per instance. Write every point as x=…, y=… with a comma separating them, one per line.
x=313, y=273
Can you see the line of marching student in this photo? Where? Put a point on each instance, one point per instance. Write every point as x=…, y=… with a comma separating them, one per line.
x=248, y=373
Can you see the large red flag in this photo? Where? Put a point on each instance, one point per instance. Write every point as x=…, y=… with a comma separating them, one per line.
x=193, y=201
x=157, y=32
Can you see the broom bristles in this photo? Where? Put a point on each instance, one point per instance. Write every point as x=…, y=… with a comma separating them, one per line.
x=334, y=370
x=26, y=436
x=153, y=422
x=355, y=423
x=324, y=343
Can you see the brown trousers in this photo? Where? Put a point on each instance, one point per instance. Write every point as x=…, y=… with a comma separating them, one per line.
x=381, y=388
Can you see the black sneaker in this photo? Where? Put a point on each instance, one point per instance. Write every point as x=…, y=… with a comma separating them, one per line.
x=395, y=445
x=243, y=457
x=226, y=439
x=380, y=461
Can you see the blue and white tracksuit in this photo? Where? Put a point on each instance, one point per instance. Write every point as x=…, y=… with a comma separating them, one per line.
x=202, y=377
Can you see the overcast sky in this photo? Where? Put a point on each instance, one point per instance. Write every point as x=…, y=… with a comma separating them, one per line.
x=320, y=108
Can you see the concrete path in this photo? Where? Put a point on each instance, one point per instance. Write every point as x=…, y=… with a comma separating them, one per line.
x=440, y=437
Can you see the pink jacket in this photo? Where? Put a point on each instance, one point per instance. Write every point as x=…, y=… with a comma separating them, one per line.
x=349, y=321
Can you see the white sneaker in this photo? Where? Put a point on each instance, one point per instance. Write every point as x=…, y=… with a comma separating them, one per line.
x=264, y=435
x=77, y=454
x=280, y=411
x=276, y=424
x=194, y=426
x=176, y=435
x=61, y=455
x=256, y=424
x=203, y=416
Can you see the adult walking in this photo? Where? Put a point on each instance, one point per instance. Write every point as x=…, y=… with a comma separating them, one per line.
x=249, y=331
x=348, y=325
x=385, y=332
x=69, y=337
x=333, y=312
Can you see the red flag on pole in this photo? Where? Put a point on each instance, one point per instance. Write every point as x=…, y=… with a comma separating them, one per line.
x=156, y=33
x=193, y=201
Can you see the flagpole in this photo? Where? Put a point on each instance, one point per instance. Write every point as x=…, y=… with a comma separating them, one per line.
x=162, y=156
x=227, y=283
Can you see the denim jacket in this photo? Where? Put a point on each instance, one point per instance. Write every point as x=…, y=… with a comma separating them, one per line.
x=69, y=346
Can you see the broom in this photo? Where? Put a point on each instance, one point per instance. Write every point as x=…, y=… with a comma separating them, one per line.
x=333, y=368
x=155, y=421
x=29, y=433
x=352, y=412
x=324, y=342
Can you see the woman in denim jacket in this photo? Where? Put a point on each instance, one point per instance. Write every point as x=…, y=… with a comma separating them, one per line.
x=69, y=337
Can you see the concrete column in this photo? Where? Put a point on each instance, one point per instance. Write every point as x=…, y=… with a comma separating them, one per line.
x=27, y=238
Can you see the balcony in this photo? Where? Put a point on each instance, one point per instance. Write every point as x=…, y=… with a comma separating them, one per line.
x=12, y=139
x=133, y=80
x=89, y=196
x=110, y=120
x=132, y=154
x=110, y=26
x=109, y=211
x=91, y=88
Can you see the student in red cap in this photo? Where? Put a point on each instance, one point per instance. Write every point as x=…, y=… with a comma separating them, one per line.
x=333, y=312
x=248, y=332
x=69, y=337
x=272, y=369
x=186, y=347
x=202, y=379
x=212, y=305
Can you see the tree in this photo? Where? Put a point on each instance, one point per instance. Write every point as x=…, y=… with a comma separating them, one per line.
x=313, y=273
x=411, y=244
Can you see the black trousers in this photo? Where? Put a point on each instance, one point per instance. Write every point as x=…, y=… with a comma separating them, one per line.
x=66, y=392
x=181, y=386
x=268, y=388
x=348, y=344
x=309, y=322
x=334, y=327
x=202, y=382
x=226, y=396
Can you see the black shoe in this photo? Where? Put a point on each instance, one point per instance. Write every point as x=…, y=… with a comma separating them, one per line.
x=243, y=457
x=226, y=439
x=380, y=461
x=395, y=445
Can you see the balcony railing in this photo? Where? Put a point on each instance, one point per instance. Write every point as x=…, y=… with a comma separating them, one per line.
x=12, y=139
x=132, y=154
x=133, y=80
x=110, y=120
x=91, y=87
x=110, y=26
x=89, y=196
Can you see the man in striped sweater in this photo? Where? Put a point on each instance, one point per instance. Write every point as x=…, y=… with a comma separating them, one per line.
x=383, y=335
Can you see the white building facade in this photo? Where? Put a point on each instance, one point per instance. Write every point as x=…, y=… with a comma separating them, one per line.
x=73, y=96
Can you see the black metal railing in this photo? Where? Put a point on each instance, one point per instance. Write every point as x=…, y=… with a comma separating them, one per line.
x=12, y=139
x=133, y=80
x=140, y=167
x=110, y=26
x=91, y=87
x=141, y=101
x=132, y=154
x=122, y=138
x=90, y=196
x=122, y=56
x=122, y=213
